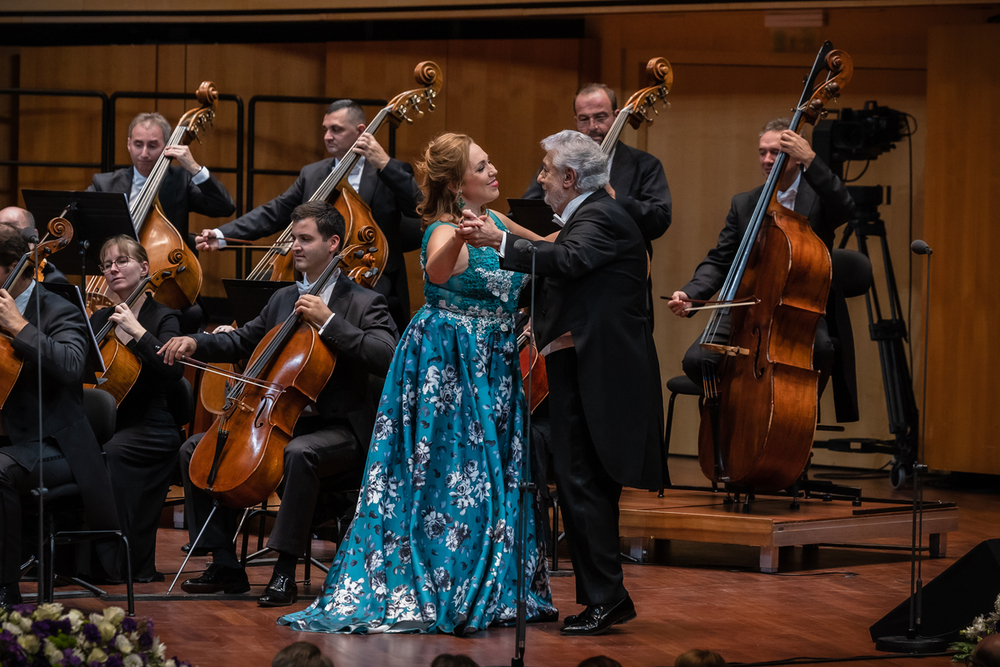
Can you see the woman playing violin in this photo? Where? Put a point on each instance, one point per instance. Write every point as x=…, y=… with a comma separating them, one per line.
x=143, y=452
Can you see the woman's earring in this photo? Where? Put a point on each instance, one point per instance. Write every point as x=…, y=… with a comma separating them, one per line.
x=460, y=202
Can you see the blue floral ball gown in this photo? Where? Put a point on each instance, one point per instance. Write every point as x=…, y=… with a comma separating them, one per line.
x=432, y=544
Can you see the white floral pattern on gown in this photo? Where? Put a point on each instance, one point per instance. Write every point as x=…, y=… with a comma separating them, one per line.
x=432, y=546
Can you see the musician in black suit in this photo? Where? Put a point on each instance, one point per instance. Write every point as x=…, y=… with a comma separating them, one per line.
x=142, y=455
x=385, y=184
x=186, y=188
x=329, y=438
x=20, y=218
x=806, y=186
x=605, y=400
x=71, y=451
x=637, y=180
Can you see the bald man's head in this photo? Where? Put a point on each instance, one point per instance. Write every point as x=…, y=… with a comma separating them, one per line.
x=987, y=653
x=17, y=217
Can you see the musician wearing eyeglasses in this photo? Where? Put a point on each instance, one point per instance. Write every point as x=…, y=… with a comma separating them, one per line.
x=331, y=437
x=637, y=182
x=58, y=330
x=385, y=184
x=20, y=219
x=188, y=187
x=142, y=455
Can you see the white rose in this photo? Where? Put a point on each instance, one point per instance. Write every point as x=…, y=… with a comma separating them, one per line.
x=50, y=611
x=98, y=656
x=53, y=654
x=132, y=661
x=107, y=630
x=114, y=615
x=29, y=643
x=14, y=629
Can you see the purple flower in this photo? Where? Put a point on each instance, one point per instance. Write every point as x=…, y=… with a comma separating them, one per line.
x=69, y=658
x=47, y=628
x=91, y=633
x=145, y=640
x=129, y=624
x=114, y=660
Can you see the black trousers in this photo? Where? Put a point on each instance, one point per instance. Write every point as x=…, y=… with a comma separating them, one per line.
x=15, y=481
x=588, y=496
x=696, y=356
x=141, y=460
x=320, y=449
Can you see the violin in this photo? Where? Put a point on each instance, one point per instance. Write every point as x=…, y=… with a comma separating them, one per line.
x=360, y=228
x=121, y=365
x=163, y=243
x=61, y=232
x=240, y=460
x=758, y=413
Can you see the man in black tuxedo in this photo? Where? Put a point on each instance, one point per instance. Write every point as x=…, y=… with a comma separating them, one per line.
x=330, y=437
x=593, y=327
x=20, y=219
x=186, y=188
x=806, y=186
x=70, y=450
x=637, y=180
x=385, y=184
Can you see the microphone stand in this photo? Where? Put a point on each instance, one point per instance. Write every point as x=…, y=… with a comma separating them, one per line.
x=526, y=487
x=914, y=641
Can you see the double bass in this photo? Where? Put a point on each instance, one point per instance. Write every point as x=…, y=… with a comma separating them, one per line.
x=359, y=226
x=60, y=233
x=758, y=413
x=636, y=111
x=121, y=365
x=163, y=243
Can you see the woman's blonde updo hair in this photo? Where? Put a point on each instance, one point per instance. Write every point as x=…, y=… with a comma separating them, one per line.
x=127, y=246
x=445, y=162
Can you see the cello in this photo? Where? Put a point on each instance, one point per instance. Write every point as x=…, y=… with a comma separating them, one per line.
x=758, y=412
x=163, y=243
x=240, y=460
x=61, y=232
x=361, y=228
x=121, y=365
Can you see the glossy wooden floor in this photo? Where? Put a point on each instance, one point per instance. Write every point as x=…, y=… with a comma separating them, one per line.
x=819, y=604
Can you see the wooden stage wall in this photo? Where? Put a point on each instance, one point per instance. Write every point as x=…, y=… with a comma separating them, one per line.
x=731, y=75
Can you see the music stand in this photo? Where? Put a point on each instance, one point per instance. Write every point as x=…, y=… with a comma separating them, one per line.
x=95, y=216
x=248, y=297
x=533, y=214
x=95, y=362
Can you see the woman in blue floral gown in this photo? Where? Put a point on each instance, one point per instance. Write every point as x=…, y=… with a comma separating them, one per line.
x=432, y=547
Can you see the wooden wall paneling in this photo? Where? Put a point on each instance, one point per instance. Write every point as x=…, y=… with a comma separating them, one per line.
x=963, y=200
x=9, y=78
x=288, y=136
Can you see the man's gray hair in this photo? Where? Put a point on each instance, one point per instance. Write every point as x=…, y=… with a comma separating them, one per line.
x=355, y=113
x=576, y=151
x=776, y=125
x=154, y=119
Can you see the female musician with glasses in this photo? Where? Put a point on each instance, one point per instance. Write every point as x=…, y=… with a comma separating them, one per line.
x=143, y=451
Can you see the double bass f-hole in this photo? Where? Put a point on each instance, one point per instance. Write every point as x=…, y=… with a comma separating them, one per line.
x=265, y=407
x=758, y=366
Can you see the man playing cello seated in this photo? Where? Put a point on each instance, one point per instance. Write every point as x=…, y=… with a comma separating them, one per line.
x=329, y=437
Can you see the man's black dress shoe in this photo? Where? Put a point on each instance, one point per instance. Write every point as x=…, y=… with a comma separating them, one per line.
x=10, y=595
x=280, y=592
x=199, y=551
x=598, y=619
x=219, y=578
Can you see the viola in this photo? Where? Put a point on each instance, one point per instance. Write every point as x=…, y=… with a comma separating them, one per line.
x=163, y=243
x=758, y=413
x=61, y=232
x=240, y=460
x=121, y=365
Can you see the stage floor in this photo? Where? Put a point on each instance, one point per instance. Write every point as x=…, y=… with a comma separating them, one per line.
x=690, y=594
